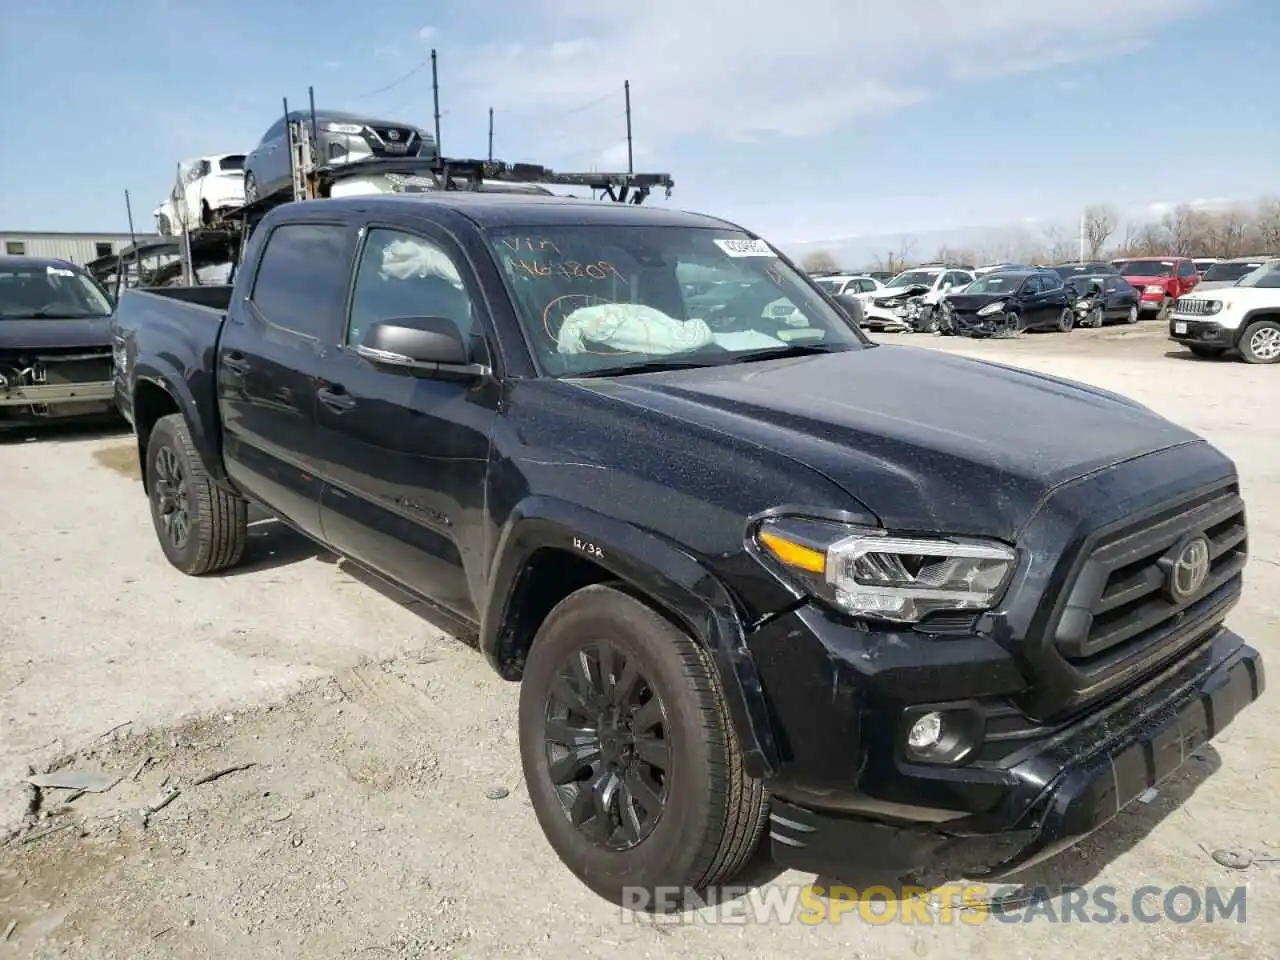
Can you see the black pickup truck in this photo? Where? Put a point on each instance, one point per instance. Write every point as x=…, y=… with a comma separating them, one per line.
x=752, y=570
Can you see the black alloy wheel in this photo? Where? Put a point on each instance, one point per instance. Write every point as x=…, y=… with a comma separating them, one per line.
x=606, y=746
x=170, y=494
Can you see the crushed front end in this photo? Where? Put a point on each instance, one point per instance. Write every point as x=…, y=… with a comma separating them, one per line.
x=38, y=385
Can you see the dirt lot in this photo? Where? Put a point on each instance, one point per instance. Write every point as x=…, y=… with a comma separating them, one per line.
x=384, y=814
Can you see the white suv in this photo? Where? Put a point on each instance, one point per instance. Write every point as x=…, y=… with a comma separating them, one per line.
x=854, y=283
x=887, y=308
x=1243, y=317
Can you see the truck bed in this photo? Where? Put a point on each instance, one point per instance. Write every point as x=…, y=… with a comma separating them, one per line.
x=160, y=332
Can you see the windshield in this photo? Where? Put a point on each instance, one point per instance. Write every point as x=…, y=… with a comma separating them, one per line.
x=231, y=163
x=595, y=299
x=1082, y=281
x=1146, y=268
x=1267, y=275
x=50, y=292
x=1230, y=272
x=914, y=278
x=996, y=283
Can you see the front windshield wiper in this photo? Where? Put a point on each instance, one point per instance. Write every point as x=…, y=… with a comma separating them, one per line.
x=47, y=314
x=789, y=350
x=649, y=366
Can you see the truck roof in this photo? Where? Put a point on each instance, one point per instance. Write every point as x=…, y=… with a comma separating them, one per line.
x=488, y=210
x=13, y=261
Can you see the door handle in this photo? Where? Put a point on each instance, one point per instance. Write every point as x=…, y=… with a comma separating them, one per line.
x=337, y=400
x=236, y=363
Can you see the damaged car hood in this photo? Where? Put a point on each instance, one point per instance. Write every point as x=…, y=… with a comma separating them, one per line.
x=55, y=334
x=918, y=437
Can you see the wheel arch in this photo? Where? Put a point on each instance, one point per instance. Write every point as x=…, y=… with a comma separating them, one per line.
x=1253, y=316
x=156, y=395
x=549, y=548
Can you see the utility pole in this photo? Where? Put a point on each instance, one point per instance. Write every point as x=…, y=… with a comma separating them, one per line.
x=626, y=90
x=1082, y=238
x=491, y=134
x=435, y=93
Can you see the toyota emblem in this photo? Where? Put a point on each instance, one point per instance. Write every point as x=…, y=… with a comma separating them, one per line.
x=1189, y=568
x=393, y=134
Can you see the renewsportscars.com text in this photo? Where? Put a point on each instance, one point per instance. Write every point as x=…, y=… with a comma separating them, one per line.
x=969, y=904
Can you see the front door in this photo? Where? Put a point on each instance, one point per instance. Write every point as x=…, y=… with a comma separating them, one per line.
x=406, y=457
x=268, y=359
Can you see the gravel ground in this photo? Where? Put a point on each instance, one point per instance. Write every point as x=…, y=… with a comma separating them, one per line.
x=377, y=808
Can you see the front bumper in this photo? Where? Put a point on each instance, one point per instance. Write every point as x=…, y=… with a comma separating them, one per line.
x=879, y=318
x=1052, y=792
x=1200, y=331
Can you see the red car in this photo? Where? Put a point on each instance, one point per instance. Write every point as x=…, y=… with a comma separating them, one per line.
x=1161, y=280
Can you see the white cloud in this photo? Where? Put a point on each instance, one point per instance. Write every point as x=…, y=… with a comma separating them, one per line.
x=428, y=34
x=741, y=70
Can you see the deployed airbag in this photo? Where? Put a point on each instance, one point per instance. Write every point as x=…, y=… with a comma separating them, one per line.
x=402, y=259
x=631, y=328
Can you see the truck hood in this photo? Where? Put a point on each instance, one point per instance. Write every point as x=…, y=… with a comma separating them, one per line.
x=926, y=441
x=54, y=334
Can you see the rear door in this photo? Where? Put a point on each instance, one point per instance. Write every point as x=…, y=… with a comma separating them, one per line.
x=406, y=456
x=268, y=361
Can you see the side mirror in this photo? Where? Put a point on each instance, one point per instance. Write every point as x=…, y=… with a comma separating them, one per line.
x=851, y=307
x=423, y=346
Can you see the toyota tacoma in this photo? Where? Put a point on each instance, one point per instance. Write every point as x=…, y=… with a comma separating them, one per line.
x=752, y=577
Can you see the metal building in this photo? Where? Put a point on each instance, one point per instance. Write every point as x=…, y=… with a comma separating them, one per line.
x=79, y=248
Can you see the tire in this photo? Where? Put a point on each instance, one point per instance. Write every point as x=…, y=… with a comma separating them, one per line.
x=1095, y=319
x=1066, y=320
x=250, y=187
x=1132, y=316
x=1206, y=353
x=216, y=522
x=1166, y=307
x=1260, y=342
x=930, y=322
x=712, y=813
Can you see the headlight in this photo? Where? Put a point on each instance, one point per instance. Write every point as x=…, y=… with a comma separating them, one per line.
x=1215, y=306
x=351, y=128
x=1153, y=288
x=1084, y=304
x=990, y=308
x=865, y=572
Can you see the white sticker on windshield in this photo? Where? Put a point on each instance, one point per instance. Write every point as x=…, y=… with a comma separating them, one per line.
x=745, y=248
x=59, y=272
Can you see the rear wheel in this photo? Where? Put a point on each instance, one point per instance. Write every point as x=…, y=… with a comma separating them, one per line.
x=633, y=769
x=1132, y=316
x=201, y=527
x=1261, y=342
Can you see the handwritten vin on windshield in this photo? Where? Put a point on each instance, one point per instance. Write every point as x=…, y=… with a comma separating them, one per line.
x=566, y=269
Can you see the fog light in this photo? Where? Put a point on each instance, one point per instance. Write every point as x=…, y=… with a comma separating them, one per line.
x=925, y=732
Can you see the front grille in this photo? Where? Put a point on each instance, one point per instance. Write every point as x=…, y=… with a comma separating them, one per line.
x=1122, y=605
x=1194, y=307
x=397, y=140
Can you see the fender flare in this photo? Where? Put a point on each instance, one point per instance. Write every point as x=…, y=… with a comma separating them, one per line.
x=178, y=390
x=661, y=572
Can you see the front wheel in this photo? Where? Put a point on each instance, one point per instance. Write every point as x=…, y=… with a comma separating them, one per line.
x=929, y=322
x=1066, y=320
x=1166, y=308
x=1261, y=342
x=201, y=527
x=633, y=768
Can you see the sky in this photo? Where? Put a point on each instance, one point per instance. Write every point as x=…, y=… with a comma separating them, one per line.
x=814, y=122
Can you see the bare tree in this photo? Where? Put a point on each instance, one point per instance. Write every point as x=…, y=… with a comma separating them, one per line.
x=1100, y=223
x=1059, y=245
x=947, y=254
x=1151, y=240
x=819, y=262
x=1226, y=234
x=895, y=261
x=1185, y=230
x=1266, y=227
